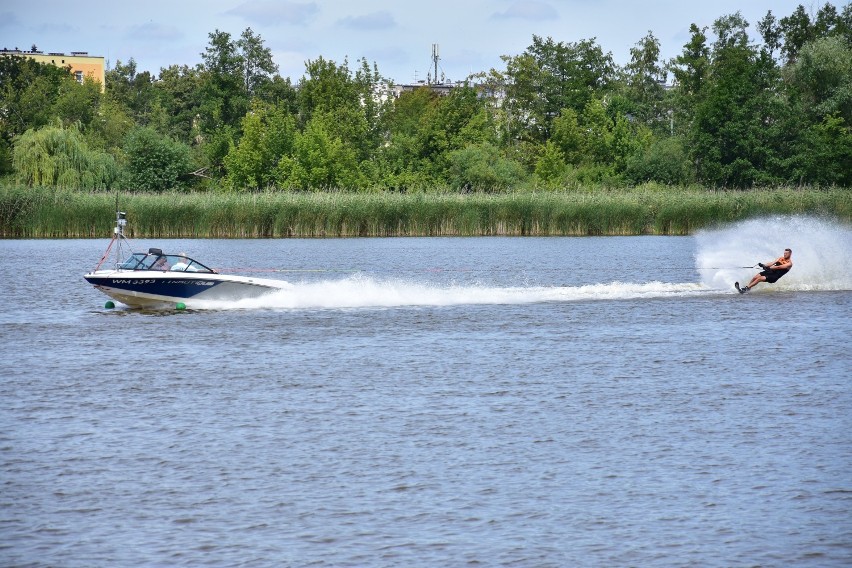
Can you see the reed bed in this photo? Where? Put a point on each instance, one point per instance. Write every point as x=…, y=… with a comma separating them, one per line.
x=50, y=213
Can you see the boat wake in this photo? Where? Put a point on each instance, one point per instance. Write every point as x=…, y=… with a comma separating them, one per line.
x=363, y=291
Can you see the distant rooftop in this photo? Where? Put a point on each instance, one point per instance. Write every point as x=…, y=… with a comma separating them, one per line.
x=17, y=51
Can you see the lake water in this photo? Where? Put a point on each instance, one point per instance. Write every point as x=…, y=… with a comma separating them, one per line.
x=436, y=402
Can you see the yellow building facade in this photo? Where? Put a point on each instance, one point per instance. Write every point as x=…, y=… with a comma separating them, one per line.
x=81, y=64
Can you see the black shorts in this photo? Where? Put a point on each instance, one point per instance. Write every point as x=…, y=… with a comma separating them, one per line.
x=773, y=275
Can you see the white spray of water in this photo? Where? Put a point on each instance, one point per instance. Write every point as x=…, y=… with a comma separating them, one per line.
x=822, y=253
x=360, y=291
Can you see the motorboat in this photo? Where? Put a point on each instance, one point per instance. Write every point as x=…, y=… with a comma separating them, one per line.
x=156, y=279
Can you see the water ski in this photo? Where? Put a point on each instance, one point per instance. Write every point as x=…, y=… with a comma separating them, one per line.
x=742, y=290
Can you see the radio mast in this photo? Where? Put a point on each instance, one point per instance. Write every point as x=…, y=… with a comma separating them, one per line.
x=435, y=62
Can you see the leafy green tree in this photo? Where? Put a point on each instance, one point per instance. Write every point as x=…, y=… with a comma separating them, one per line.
x=568, y=136
x=423, y=129
x=375, y=100
x=247, y=163
x=664, y=161
x=268, y=134
x=599, y=140
x=598, y=133
x=78, y=103
x=156, y=162
x=5, y=157
x=826, y=156
x=551, y=166
x=177, y=109
x=131, y=89
x=455, y=122
x=733, y=139
x=844, y=23
x=771, y=33
x=213, y=149
x=348, y=100
x=59, y=157
x=827, y=20
x=28, y=93
x=550, y=76
x=320, y=159
x=462, y=118
x=628, y=138
x=482, y=167
x=325, y=87
x=797, y=31
x=404, y=159
x=691, y=70
x=821, y=79
x=490, y=87
x=279, y=91
x=224, y=98
x=258, y=67
x=109, y=126
x=645, y=77
x=232, y=74
x=819, y=94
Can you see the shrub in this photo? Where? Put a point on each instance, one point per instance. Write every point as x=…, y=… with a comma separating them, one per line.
x=665, y=161
x=156, y=162
x=481, y=167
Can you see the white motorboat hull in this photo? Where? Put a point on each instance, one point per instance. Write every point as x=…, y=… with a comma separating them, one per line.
x=152, y=289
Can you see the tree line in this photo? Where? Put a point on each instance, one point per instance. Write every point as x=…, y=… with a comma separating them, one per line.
x=728, y=112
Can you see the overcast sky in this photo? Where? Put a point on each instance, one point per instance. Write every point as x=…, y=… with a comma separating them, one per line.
x=397, y=35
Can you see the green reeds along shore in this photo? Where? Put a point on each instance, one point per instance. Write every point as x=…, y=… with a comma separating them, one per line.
x=49, y=213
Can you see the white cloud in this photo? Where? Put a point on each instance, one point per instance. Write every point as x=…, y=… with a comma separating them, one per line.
x=375, y=21
x=154, y=31
x=271, y=12
x=53, y=28
x=528, y=10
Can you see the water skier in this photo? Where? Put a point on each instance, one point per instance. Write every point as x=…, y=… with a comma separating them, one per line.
x=772, y=271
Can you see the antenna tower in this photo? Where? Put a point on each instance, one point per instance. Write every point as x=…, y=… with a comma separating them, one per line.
x=435, y=61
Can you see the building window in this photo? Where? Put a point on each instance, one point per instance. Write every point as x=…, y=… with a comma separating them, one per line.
x=78, y=75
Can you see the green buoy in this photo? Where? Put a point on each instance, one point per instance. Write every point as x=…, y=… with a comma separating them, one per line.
x=109, y=305
x=180, y=306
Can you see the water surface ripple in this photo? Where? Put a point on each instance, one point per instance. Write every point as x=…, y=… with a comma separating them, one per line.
x=690, y=426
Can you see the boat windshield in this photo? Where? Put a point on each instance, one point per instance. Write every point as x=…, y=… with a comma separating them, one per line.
x=133, y=262
x=163, y=262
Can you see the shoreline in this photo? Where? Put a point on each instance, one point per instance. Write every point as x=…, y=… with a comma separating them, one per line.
x=50, y=213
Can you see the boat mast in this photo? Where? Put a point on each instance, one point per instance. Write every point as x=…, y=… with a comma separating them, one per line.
x=118, y=232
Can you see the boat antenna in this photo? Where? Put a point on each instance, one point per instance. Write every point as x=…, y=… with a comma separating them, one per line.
x=120, y=223
x=118, y=232
x=117, y=238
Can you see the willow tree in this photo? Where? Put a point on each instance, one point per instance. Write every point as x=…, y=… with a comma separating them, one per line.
x=59, y=157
